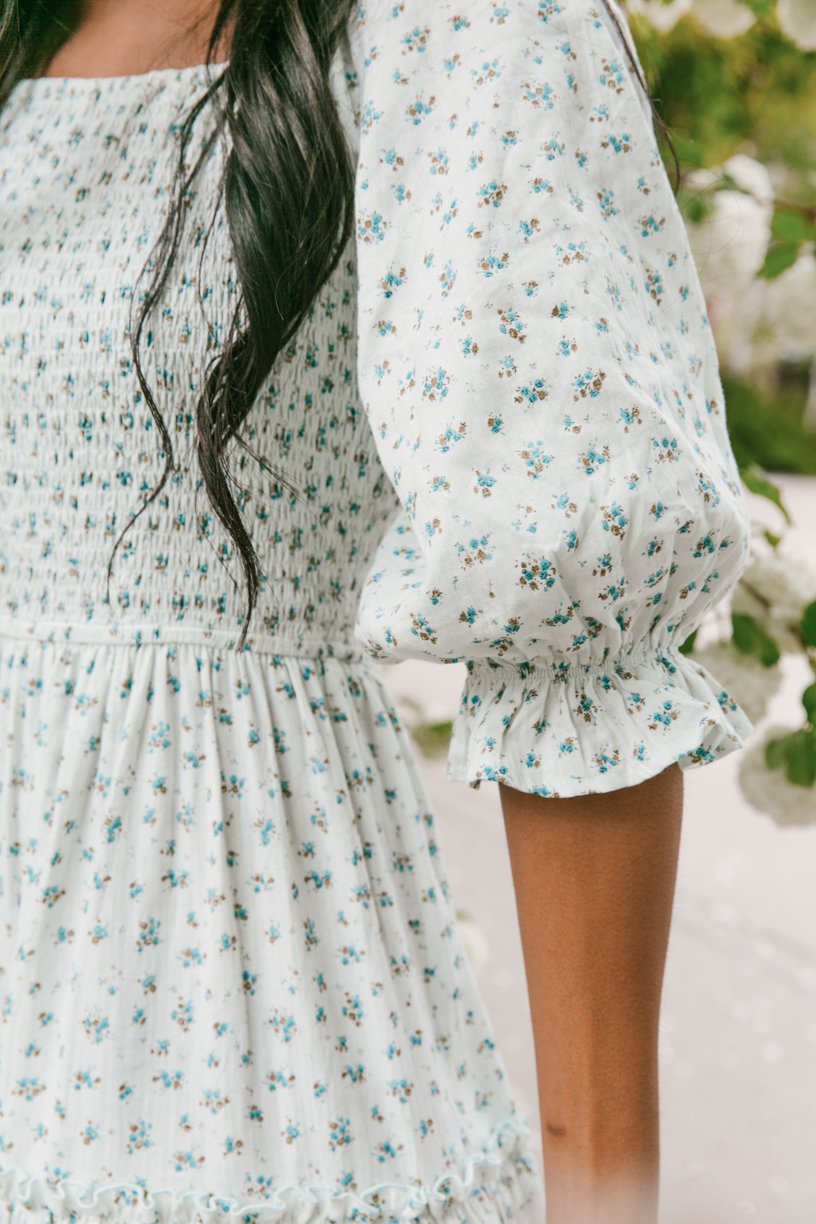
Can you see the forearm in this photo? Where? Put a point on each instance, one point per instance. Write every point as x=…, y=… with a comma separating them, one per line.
x=594, y=879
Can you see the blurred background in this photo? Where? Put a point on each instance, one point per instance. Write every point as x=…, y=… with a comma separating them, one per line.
x=735, y=80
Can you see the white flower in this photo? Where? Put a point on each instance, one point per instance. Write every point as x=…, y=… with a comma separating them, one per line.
x=768, y=790
x=724, y=18
x=744, y=677
x=790, y=305
x=798, y=20
x=730, y=243
x=745, y=340
x=788, y=581
x=729, y=247
x=662, y=16
x=752, y=176
x=477, y=948
x=701, y=178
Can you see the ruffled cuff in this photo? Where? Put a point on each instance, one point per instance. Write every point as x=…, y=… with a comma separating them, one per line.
x=562, y=728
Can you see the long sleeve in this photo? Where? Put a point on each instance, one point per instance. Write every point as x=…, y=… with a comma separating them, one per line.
x=538, y=370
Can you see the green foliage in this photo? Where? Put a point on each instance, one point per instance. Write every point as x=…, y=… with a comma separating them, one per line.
x=751, y=638
x=809, y=624
x=796, y=753
x=779, y=257
x=787, y=226
x=789, y=231
x=758, y=482
x=432, y=739
x=756, y=93
x=687, y=645
x=766, y=427
x=762, y=8
x=809, y=702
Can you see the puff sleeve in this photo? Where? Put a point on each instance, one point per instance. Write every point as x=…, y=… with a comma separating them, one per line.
x=537, y=367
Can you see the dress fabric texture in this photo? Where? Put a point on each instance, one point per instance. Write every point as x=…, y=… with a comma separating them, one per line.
x=231, y=979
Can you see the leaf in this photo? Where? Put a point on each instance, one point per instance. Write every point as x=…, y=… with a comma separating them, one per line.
x=696, y=208
x=787, y=226
x=433, y=739
x=801, y=758
x=797, y=752
x=775, y=751
x=773, y=539
x=756, y=480
x=760, y=7
x=687, y=645
x=769, y=651
x=809, y=624
x=780, y=256
x=751, y=638
x=809, y=702
x=744, y=636
x=689, y=152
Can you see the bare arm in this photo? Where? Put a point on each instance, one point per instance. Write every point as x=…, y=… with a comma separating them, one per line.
x=594, y=878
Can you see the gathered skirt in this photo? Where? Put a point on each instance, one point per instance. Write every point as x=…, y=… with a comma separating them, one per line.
x=231, y=977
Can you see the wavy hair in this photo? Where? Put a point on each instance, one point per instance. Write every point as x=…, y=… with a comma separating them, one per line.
x=288, y=195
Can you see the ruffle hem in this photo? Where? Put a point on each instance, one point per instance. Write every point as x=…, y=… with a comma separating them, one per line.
x=496, y=1184
x=547, y=727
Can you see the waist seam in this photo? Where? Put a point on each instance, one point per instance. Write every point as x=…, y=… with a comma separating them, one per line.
x=140, y=634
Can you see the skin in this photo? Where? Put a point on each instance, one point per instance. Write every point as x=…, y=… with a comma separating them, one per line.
x=121, y=37
x=594, y=876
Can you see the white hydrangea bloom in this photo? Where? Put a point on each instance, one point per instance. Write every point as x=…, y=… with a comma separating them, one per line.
x=662, y=16
x=743, y=676
x=702, y=178
x=788, y=580
x=730, y=244
x=746, y=342
x=790, y=302
x=724, y=18
x=768, y=790
x=729, y=247
x=798, y=19
x=752, y=176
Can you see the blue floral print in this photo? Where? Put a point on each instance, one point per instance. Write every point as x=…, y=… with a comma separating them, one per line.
x=231, y=979
x=538, y=367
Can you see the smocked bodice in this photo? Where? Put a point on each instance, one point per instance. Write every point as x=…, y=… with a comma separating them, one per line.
x=81, y=447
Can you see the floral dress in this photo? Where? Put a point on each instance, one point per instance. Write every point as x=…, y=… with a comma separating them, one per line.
x=231, y=979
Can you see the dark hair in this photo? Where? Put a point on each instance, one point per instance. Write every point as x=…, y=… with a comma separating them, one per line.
x=288, y=192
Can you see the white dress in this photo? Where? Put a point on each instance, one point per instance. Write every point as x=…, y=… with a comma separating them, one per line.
x=231, y=979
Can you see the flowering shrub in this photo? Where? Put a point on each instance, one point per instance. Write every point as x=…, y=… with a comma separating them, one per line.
x=736, y=81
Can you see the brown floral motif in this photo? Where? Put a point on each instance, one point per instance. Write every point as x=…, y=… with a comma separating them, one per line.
x=537, y=573
x=511, y=325
x=589, y=459
x=418, y=110
x=438, y=161
x=631, y=416
x=416, y=40
x=666, y=714
x=474, y=554
x=491, y=194
x=612, y=522
x=587, y=707
x=591, y=386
